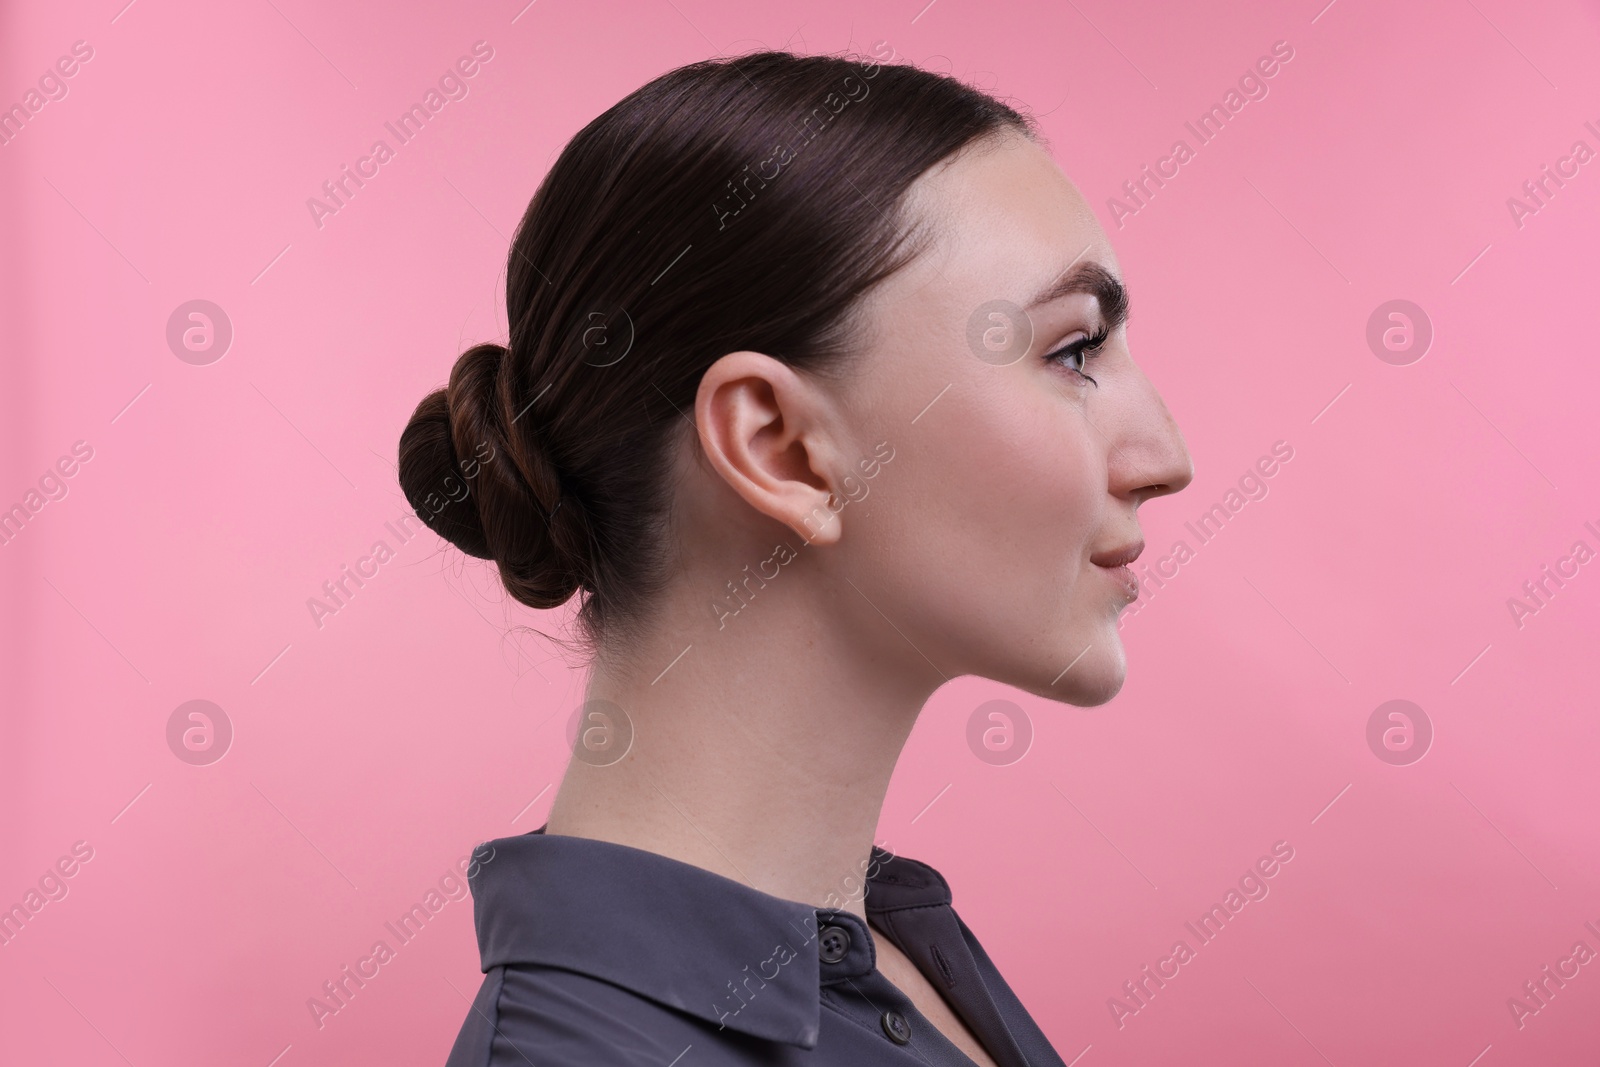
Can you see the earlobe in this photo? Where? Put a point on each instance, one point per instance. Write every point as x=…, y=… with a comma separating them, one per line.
x=763, y=428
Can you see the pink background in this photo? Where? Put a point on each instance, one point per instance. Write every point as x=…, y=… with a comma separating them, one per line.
x=370, y=754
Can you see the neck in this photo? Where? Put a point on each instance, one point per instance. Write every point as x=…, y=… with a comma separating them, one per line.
x=763, y=753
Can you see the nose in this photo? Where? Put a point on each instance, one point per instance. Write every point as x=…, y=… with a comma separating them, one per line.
x=1149, y=457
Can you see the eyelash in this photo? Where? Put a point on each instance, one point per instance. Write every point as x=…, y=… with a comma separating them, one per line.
x=1085, y=348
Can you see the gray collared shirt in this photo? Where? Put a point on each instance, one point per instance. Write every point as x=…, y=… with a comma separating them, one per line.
x=598, y=953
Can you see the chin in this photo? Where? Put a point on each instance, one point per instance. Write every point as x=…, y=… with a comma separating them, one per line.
x=1093, y=681
x=1094, y=696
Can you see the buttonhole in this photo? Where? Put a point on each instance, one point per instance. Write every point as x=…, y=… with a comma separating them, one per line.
x=944, y=968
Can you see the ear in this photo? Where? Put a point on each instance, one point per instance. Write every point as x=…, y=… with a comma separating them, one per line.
x=764, y=428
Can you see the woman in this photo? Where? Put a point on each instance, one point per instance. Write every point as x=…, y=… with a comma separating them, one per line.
x=818, y=392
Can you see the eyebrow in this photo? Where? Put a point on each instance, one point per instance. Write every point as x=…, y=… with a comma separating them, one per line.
x=1092, y=278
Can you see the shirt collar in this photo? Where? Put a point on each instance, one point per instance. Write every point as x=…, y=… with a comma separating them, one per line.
x=677, y=934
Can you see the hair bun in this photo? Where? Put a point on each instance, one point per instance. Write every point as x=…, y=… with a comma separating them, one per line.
x=484, y=490
x=433, y=482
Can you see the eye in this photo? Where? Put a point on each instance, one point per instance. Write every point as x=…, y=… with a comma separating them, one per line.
x=1081, y=350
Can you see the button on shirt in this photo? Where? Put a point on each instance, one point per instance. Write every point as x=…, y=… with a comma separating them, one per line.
x=598, y=953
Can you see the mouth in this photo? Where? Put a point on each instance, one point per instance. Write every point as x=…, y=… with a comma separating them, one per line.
x=1115, y=563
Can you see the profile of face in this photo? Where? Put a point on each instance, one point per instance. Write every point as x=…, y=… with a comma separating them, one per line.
x=987, y=545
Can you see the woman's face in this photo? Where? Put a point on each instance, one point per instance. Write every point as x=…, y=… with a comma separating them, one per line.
x=1015, y=478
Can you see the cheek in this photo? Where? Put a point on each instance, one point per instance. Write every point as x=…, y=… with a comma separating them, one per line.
x=1032, y=467
x=1029, y=477
x=995, y=506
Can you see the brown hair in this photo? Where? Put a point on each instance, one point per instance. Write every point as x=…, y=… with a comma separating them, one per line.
x=744, y=203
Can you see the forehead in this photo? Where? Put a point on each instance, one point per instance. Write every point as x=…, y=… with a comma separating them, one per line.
x=1003, y=222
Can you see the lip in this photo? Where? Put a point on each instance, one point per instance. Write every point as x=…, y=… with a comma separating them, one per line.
x=1115, y=564
x=1118, y=557
x=1127, y=581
